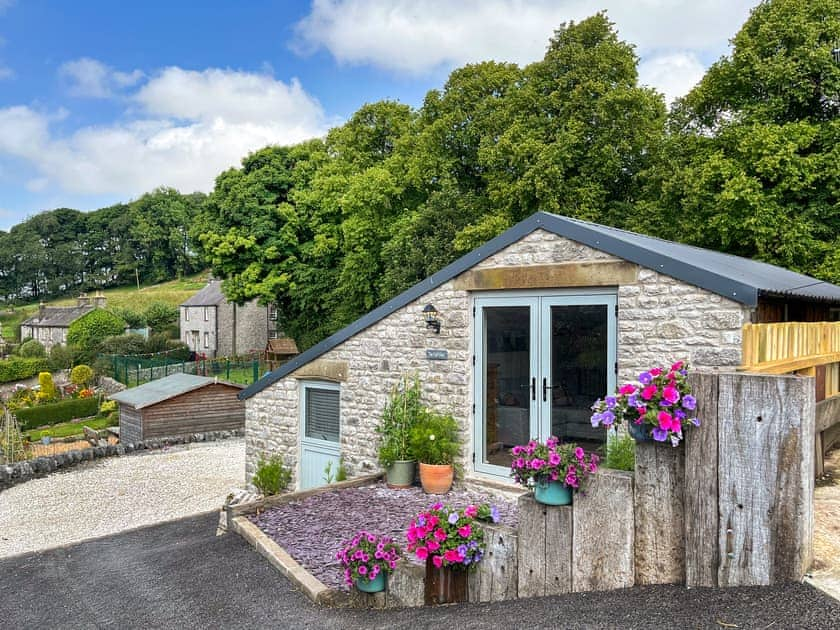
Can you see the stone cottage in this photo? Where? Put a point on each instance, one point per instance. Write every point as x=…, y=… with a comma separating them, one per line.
x=517, y=339
x=51, y=324
x=212, y=326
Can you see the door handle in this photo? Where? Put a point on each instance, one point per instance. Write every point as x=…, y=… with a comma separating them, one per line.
x=546, y=387
x=533, y=388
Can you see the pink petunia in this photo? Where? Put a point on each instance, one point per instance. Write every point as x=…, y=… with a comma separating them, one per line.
x=627, y=389
x=440, y=535
x=655, y=371
x=465, y=531
x=671, y=394
x=677, y=366
x=452, y=555
x=579, y=452
x=554, y=459
x=471, y=511
x=422, y=553
x=437, y=561
x=665, y=420
x=433, y=545
x=649, y=392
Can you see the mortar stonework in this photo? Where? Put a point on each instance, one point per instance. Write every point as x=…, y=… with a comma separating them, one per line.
x=660, y=319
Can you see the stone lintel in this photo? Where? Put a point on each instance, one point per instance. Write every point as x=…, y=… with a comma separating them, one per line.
x=324, y=369
x=570, y=274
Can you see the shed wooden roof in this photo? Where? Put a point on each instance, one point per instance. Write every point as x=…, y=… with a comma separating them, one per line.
x=155, y=392
x=282, y=345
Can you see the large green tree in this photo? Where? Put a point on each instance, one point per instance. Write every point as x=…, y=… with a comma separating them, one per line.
x=753, y=165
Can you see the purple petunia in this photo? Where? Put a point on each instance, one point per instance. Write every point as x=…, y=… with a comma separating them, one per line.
x=494, y=514
x=660, y=435
x=610, y=402
x=453, y=518
x=689, y=402
x=645, y=378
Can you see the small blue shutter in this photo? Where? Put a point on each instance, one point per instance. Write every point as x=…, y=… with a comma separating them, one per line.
x=322, y=414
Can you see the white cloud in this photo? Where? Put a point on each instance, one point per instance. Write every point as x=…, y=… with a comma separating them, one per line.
x=6, y=73
x=193, y=126
x=672, y=74
x=93, y=79
x=418, y=36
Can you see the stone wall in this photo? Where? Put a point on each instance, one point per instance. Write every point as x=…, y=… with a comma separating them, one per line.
x=659, y=319
x=249, y=324
x=193, y=320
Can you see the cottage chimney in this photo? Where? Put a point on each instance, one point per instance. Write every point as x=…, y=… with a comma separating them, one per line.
x=82, y=300
x=42, y=308
x=99, y=300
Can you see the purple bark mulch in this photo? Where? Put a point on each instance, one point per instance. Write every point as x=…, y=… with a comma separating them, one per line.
x=314, y=529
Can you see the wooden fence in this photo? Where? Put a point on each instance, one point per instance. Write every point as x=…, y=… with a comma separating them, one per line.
x=807, y=349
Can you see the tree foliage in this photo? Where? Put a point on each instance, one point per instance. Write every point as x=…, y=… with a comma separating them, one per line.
x=88, y=330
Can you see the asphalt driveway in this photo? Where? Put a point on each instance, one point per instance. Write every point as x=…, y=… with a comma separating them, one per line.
x=180, y=575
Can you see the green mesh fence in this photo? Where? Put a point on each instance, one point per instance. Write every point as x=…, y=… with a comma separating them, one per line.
x=134, y=370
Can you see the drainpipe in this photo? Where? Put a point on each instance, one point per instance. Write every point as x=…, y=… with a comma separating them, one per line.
x=233, y=346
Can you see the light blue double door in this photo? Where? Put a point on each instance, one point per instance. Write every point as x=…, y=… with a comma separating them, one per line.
x=541, y=360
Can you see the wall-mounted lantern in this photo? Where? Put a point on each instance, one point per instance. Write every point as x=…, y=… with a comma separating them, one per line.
x=430, y=314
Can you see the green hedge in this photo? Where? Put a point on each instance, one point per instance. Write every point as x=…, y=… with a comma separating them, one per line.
x=19, y=369
x=62, y=411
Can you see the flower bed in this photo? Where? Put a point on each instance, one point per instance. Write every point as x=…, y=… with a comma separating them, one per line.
x=312, y=530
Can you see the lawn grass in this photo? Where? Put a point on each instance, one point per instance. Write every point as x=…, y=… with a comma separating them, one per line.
x=174, y=292
x=67, y=429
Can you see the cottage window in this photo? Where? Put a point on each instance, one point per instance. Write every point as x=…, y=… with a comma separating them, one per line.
x=207, y=340
x=206, y=314
x=321, y=411
x=186, y=314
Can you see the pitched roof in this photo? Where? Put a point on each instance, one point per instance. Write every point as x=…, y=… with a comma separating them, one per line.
x=164, y=388
x=58, y=316
x=282, y=345
x=210, y=295
x=738, y=279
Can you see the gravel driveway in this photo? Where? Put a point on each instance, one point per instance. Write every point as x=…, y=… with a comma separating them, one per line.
x=110, y=495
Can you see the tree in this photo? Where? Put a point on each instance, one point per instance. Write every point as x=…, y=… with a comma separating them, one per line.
x=91, y=328
x=81, y=375
x=32, y=349
x=160, y=315
x=751, y=165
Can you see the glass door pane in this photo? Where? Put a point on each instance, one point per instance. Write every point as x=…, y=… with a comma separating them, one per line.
x=507, y=378
x=579, y=370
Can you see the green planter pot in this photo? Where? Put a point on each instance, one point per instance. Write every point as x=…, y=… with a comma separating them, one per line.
x=375, y=585
x=400, y=474
x=553, y=493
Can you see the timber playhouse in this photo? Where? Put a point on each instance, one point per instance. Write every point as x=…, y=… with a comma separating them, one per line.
x=514, y=371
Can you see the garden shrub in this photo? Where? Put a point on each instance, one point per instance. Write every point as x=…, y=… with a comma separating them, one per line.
x=32, y=349
x=53, y=413
x=87, y=331
x=134, y=319
x=18, y=369
x=123, y=344
x=621, y=452
x=434, y=439
x=271, y=476
x=159, y=315
x=47, y=391
x=81, y=375
x=107, y=406
x=62, y=357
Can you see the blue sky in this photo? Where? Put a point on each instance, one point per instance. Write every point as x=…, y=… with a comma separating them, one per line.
x=101, y=101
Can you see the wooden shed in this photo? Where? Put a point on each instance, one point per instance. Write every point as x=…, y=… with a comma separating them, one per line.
x=179, y=404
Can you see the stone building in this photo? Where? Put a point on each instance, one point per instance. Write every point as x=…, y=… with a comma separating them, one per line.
x=525, y=333
x=51, y=324
x=212, y=326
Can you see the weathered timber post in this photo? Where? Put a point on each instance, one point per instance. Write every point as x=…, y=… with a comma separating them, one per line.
x=603, y=533
x=659, y=503
x=765, y=477
x=701, y=485
x=545, y=548
x=495, y=577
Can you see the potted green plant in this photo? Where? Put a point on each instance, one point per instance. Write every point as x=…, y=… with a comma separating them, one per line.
x=434, y=441
x=398, y=418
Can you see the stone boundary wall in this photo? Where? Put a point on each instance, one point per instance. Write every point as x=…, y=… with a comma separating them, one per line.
x=19, y=472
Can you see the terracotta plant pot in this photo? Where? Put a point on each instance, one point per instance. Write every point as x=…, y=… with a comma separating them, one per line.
x=436, y=478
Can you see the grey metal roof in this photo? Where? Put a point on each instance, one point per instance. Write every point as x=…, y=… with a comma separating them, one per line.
x=58, y=316
x=210, y=295
x=739, y=279
x=154, y=392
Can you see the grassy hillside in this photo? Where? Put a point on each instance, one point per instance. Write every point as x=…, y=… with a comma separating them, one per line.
x=173, y=292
